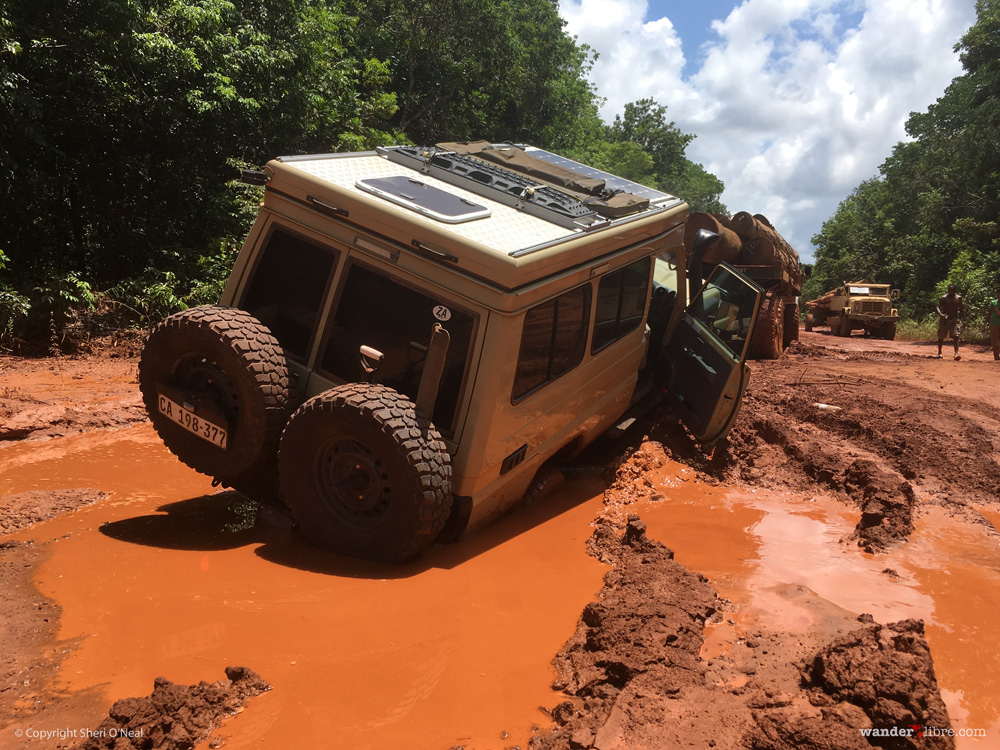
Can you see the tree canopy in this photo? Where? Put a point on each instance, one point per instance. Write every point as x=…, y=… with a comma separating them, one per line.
x=124, y=123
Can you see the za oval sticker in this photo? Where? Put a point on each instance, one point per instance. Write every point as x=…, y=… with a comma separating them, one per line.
x=442, y=313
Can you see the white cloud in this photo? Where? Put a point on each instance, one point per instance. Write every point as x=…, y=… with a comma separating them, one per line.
x=792, y=106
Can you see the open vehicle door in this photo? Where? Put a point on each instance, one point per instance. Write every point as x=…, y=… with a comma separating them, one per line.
x=707, y=354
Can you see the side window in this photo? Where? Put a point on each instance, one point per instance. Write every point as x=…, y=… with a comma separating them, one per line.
x=378, y=311
x=287, y=288
x=621, y=301
x=552, y=341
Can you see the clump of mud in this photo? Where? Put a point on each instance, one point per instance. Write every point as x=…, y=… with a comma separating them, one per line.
x=887, y=672
x=174, y=717
x=634, y=675
x=887, y=504
x=631, y=482
x=640, y=638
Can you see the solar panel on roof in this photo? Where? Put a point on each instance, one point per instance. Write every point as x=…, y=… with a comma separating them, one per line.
x=611, y=181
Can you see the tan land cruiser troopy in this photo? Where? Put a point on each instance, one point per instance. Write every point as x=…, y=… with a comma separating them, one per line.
x=409, y=335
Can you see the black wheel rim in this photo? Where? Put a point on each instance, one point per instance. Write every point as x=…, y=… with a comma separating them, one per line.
x=353, y=483
x=205, y=381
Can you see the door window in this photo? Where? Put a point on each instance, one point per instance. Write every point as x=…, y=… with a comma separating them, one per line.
x=383, y=313
x=726, y=307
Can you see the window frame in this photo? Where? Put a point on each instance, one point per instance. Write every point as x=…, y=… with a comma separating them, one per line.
x=619, y=333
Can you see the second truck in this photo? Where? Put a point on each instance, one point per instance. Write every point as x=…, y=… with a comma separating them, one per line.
x=859, y=305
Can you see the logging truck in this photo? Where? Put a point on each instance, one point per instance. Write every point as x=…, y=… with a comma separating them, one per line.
x=751, y=244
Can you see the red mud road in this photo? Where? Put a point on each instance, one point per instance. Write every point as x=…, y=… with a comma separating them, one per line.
x=832, y=572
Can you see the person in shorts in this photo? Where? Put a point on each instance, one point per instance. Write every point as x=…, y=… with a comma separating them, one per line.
x=995, y=325
x=950, y=311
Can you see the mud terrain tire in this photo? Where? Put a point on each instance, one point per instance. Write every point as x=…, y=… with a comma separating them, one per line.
x=228, y=360
x=810, y=322
x=888, y=331
x=844, y=327
x=791, y=327
x=769, y=333
x=364, y=474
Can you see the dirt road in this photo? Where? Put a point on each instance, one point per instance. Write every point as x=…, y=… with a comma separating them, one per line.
x=861, y=478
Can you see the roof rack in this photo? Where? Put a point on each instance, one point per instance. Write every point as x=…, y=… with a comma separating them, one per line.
x=497, y=183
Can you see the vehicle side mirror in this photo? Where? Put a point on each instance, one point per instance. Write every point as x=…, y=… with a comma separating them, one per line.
x=894, y=294
x=702, y=241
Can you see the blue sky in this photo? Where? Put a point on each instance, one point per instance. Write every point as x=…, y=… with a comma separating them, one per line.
x=793, y=102
x=693, y=21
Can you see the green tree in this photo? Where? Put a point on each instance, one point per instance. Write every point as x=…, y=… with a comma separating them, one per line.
x=491, y=69
x=120, y=135
x=644, y=123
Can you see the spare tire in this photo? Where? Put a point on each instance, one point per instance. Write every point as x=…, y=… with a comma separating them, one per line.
x=229, y=374
x=364, y=474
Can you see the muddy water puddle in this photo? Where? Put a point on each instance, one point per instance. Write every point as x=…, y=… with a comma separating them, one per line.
x=773, y=555
x=168, y=577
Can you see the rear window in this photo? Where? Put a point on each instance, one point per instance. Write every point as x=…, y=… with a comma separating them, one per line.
x=553, y=340
x=383, y=313
x=287, y=288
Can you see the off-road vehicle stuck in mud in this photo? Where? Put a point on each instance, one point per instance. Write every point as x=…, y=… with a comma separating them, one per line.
x=409, y=335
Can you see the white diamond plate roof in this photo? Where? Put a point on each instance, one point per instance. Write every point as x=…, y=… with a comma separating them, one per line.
x=506, y=230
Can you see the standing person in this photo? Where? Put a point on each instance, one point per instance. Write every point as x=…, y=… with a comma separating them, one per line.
x=995, y=325
x=949, y=310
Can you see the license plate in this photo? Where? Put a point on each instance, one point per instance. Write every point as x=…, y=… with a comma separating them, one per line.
x=186, y=418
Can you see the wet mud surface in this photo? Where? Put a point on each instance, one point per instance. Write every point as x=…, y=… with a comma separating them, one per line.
x=65, y=395
x=832, y=570
x=879, y=433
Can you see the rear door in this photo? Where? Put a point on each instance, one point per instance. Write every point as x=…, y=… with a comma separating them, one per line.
x=707, y=352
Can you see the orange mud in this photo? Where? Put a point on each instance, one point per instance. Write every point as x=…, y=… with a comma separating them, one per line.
x=455, y=648
x=165, y=576
x=452, y=649
x=64, y=395
x=760, y=550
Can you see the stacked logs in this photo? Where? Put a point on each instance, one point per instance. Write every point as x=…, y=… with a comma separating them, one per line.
x=745, y=239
